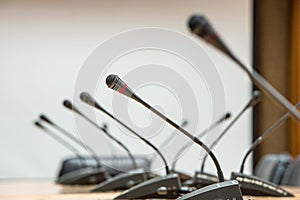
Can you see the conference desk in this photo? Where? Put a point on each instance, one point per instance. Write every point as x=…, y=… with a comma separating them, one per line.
x=47, y=190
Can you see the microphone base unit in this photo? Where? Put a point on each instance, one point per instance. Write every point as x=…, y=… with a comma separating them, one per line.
x=124, y=181
x=85, y=176
x=254, y=186
x=201, y=179
x=113, y=165
x=182, y=176
x=167, y=187
x=223, y=190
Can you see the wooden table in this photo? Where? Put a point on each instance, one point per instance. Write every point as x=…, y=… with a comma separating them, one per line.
x=48, y=190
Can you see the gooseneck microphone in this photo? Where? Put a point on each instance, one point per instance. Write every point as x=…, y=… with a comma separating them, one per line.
x=58, y=139
x=204, y=132
x=71, y=137
x=70, y=106
x=221, y=190
x=261, y=138
x=88, y=99
x=256, y=98
x=115, y=83
x=200, y=26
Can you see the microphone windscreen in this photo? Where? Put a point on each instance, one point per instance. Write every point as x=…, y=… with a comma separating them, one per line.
x=68, y=104
x=227, y=116
x=46, y=119
x=38, y=124
x=200, y=26
x=117, y=84
x=87, y=98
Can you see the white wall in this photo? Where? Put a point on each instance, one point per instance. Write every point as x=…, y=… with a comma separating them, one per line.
x=45, y=43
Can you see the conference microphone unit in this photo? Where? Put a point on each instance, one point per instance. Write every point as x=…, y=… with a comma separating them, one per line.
x=202, y=178
x=252, y=185
x=201, y=27
x=221, y=190
x=86, y=178
x=71, y=107
x=128, y=180
x=82, y=176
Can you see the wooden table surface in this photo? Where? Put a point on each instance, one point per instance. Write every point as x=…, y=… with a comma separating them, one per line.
x=48, y=190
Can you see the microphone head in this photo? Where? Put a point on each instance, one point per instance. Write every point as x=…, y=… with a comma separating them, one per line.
x=184, y=123
x=256, y=98
x=200, y=26
x=38, y=124
x=87, y=98
x=68, y=104
x=114, y=82
x=227, y=116
x=46, y=119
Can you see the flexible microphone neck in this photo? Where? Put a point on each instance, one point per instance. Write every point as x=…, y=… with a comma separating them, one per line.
x=253, y=101
x=200, y=26
x=71, y=137
x=204, y=132
x=58, y=139
x=261, y=138
x=167, y=140
x=115, y=83
x=70, y=106
x=87, y=98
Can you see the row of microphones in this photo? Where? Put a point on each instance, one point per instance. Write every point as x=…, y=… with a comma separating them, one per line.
x=85, y=174
x=90, y=150
x=201, y=27
x=70, y=106
x=88, y=99
x=221, y=190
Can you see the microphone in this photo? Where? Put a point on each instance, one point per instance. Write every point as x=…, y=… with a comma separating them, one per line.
x=252, y=185
x=87, y=98
x=83, y=176
x=227, y=190
x=70, y=106
x=115, y=83
x=201, y=27
x=201, y=178
x=261, y=138
x=256, y=98
x=74, y=139
x=204, y=132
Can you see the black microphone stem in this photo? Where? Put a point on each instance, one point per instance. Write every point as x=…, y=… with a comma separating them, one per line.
x=196, y=140
x=77, y=141
x=61, y=141
x=69, y=105
x=113, y=138
x=223, y=133
x=204, y=132
x=261, y=138
x=136, y=134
